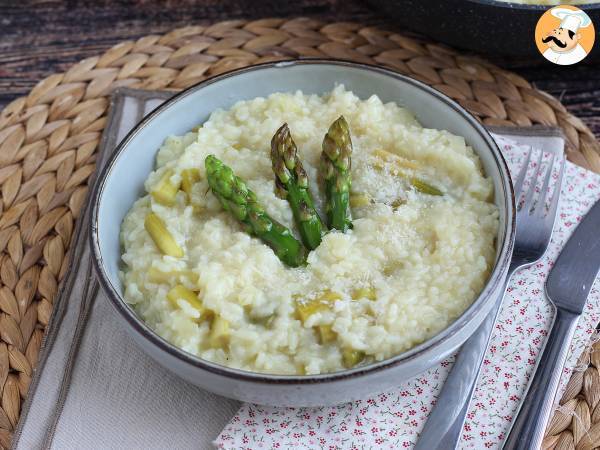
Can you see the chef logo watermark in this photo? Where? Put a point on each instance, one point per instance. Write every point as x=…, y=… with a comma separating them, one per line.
x=564, y=35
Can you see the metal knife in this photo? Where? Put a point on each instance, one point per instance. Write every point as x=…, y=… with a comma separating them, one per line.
x=567, y=287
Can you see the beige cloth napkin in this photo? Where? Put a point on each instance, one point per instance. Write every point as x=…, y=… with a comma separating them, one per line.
x=94, y=388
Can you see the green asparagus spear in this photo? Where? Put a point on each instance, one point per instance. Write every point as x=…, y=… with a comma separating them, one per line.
x=241, y=202
x=335, y=169
x=292, y=183
x=424, y=187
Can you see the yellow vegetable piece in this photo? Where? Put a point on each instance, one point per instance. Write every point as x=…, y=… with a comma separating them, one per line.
x=164, y=192
x=158, y=276
x=369, y=293
x=329, y=296
x=397, y=203
x=402, y=163
x=396, y=159
x=219, y=333
x=326, y=334
x=181, y=292
x=424, y=187
x=378, y=164
x=351, y=357
x=300, y=369
x=165, y=242
x=269, y=321
x=307, y=309
x=188, y=178
x=266, y=322
x=197, y=208
x=358, y=200
x=322, y=303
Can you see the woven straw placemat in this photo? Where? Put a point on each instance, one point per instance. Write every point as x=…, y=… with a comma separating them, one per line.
x=48, y=141
x=576, y=422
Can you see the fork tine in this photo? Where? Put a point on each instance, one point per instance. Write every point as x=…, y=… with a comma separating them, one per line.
x=556, y=194
x=521, y=176
x=527, y=205
x=540, y=205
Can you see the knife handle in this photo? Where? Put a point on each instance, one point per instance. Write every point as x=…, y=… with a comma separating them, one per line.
x=528, y=429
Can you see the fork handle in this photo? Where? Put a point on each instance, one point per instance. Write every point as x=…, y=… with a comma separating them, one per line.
x=528, y=429
x=445, y=423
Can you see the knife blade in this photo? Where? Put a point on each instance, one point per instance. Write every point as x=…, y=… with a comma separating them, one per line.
x=575, y=269
x=567, y=286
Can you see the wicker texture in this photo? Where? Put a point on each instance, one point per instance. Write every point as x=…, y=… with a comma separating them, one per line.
x=576, y=422
x=48, y=142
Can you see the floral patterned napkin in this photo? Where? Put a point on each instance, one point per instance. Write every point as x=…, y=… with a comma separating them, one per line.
x=393, y=419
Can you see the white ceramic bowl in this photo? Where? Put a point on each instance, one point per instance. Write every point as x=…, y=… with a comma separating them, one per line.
x=121, y=183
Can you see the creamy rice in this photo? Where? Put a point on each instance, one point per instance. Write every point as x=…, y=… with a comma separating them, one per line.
x=425, y=257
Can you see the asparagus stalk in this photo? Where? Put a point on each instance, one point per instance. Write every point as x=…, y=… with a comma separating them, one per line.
x=219, y=333
x=241, y=202
x=292, y=183
x=159, y=233
x=191, y=297
x=188, y=178
x=424, y=187
x=165, y=192
x=351, y=357
x=335, y=169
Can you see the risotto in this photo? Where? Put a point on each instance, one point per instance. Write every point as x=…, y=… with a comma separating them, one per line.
x=420, y=250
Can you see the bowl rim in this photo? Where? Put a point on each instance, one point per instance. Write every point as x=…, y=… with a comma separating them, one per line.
x=141, y=328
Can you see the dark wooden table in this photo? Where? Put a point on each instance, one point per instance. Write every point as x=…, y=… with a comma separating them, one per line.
x=38, y=38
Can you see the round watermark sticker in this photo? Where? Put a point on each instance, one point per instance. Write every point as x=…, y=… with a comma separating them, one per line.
x=564, y=35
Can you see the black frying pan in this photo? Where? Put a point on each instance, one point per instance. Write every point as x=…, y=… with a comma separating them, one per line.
x=484, y=26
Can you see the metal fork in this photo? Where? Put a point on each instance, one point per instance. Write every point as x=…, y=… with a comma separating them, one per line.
x=534, y=228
